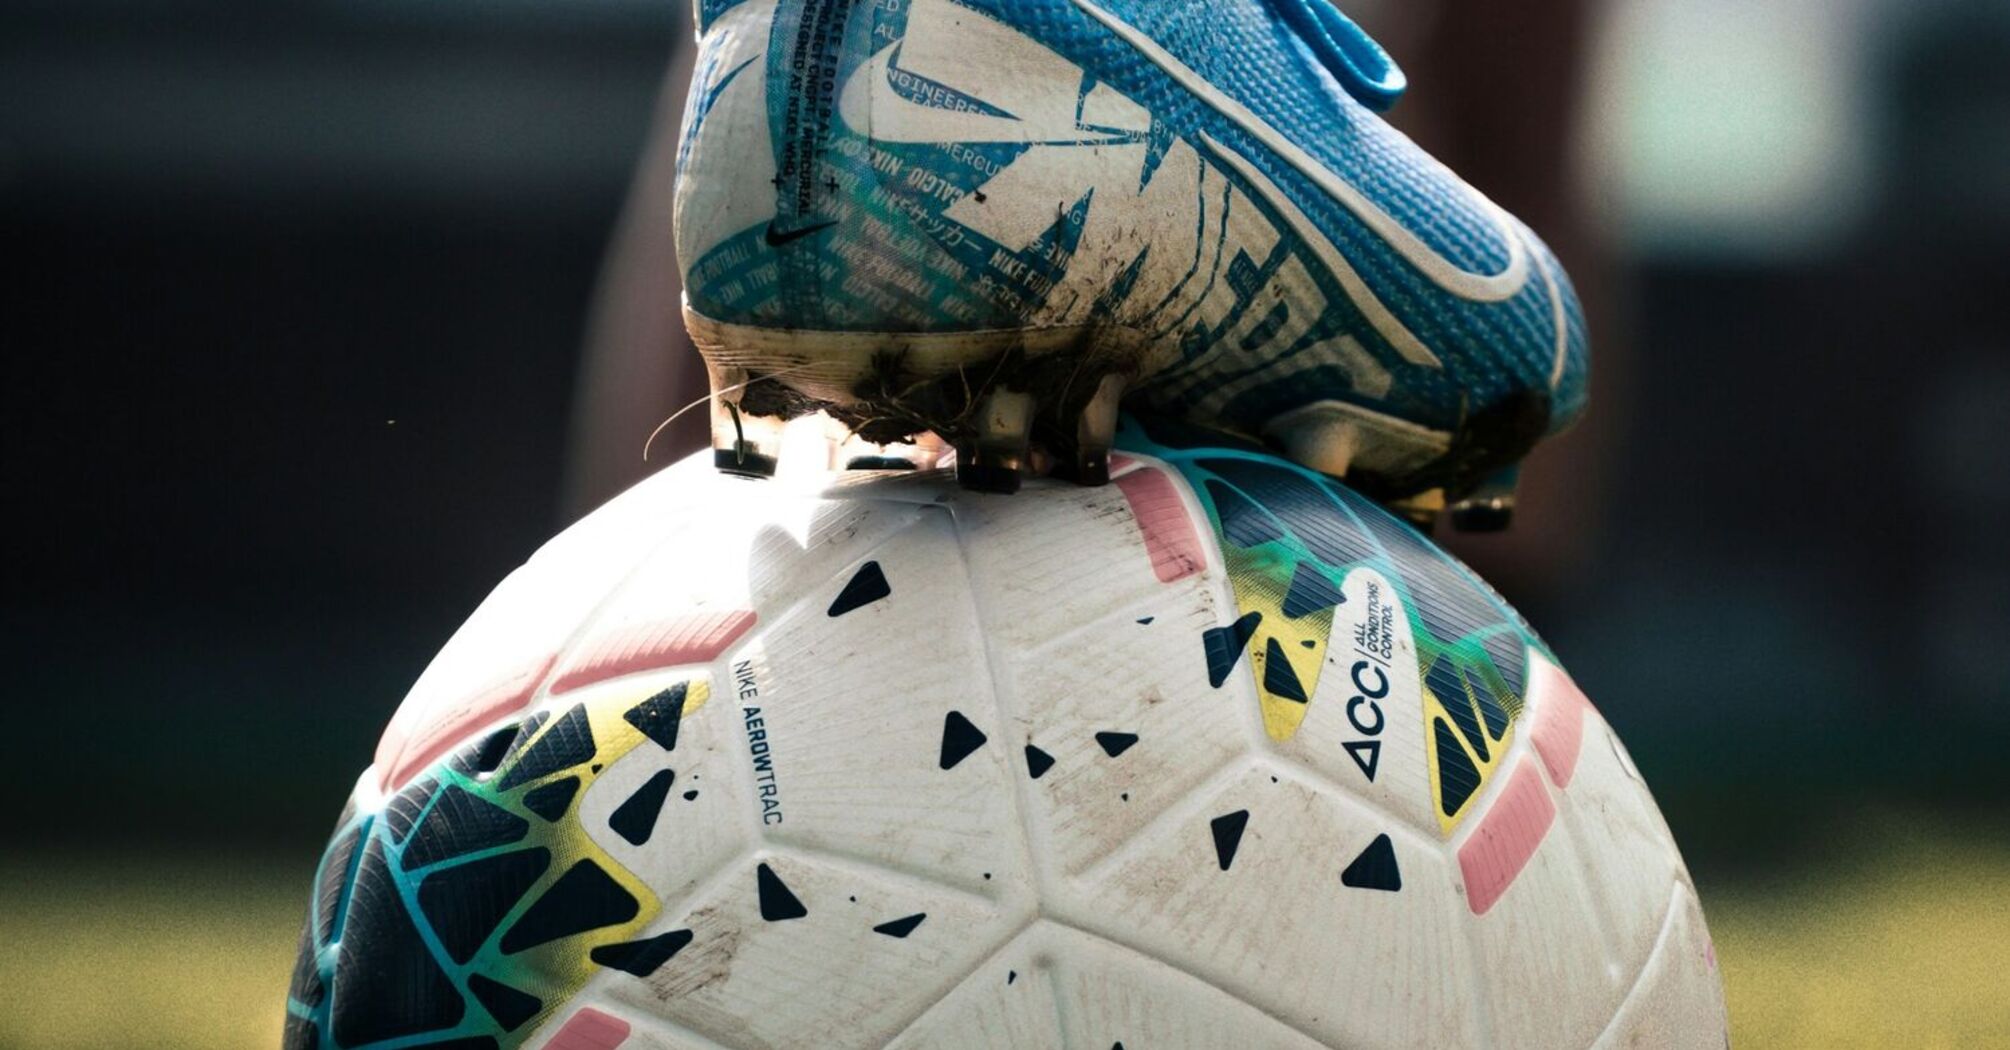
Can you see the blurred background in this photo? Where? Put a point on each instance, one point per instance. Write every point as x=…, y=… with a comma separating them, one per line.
x=320, y=315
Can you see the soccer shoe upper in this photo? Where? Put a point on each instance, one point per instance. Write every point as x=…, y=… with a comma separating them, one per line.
x=1207, y=178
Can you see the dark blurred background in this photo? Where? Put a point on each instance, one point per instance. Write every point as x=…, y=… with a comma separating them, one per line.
x=320, y=316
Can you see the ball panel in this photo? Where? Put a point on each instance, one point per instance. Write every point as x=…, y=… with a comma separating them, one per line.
x=673, y=832
x=1046, y=566
x=1545, y=968
x=494, y=662
x=1678, y=1003
x=794, y=951
x=1289, y=542
x=1362, y=729
x=1557, y=711
x=887, y=743
x=1629, y=858
x=1274, y=922
x=590, y=1029
x=1166, y=522
x=488, y=670
x=621, y=646
x=1055, y=986
x=1011, y=1002
x=1505, y=835
x=803, y=548
x=1122, y=736
x=1112, y=996
x=481, y=904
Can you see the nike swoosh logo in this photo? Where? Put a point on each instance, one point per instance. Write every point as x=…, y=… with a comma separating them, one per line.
x=779, y=237
x=873, y=106
x=1476, y=287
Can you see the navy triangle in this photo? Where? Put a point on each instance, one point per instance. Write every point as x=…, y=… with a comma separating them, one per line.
x=1224, y=647
x=867, y=586
x=777, y=902
x=960, y=739
x=1278, y=676
x=1228, y=830
x=1375, y=868
x=1310, y=592
x=900, y=928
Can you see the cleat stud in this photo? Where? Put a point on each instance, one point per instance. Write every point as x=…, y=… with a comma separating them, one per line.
x=1039, y=462
x=1325, y=441
x=744, y=464
x=1489, y=508
x=1096, y=431
x=1483, y=516
x=980, y=477
x=833, y=442
x=743, y=444
x=999, y=456
x=1092, y=469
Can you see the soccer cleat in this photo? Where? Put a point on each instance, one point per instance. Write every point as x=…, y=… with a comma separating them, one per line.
x=989, y=219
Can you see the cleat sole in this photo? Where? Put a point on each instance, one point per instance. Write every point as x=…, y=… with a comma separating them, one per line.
x=1017, y=403
x=989, y=395
x=880, y=463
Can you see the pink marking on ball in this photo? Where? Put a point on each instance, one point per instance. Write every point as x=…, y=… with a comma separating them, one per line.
x=1171, y=540
x=421, y=736
x=589, y=1029
x=1506, y=838
x=1121, y=464
x=1557, y=730
x=679, y=641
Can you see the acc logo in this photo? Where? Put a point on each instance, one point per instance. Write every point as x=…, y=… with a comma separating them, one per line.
x=1374, y=648
x=1365, y=715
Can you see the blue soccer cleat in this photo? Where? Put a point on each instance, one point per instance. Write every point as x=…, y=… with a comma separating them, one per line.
x=995, y=219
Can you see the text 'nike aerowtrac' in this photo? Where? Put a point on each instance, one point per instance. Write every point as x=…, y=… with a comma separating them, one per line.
x=993, y=220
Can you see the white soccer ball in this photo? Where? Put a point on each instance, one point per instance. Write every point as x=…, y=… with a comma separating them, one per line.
x=1219, y=755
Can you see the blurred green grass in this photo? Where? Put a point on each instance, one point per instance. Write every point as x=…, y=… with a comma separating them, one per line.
x=168, y=953
x=1901, y=939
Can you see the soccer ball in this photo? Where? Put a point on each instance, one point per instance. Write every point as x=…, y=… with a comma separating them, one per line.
x=1217, y=755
